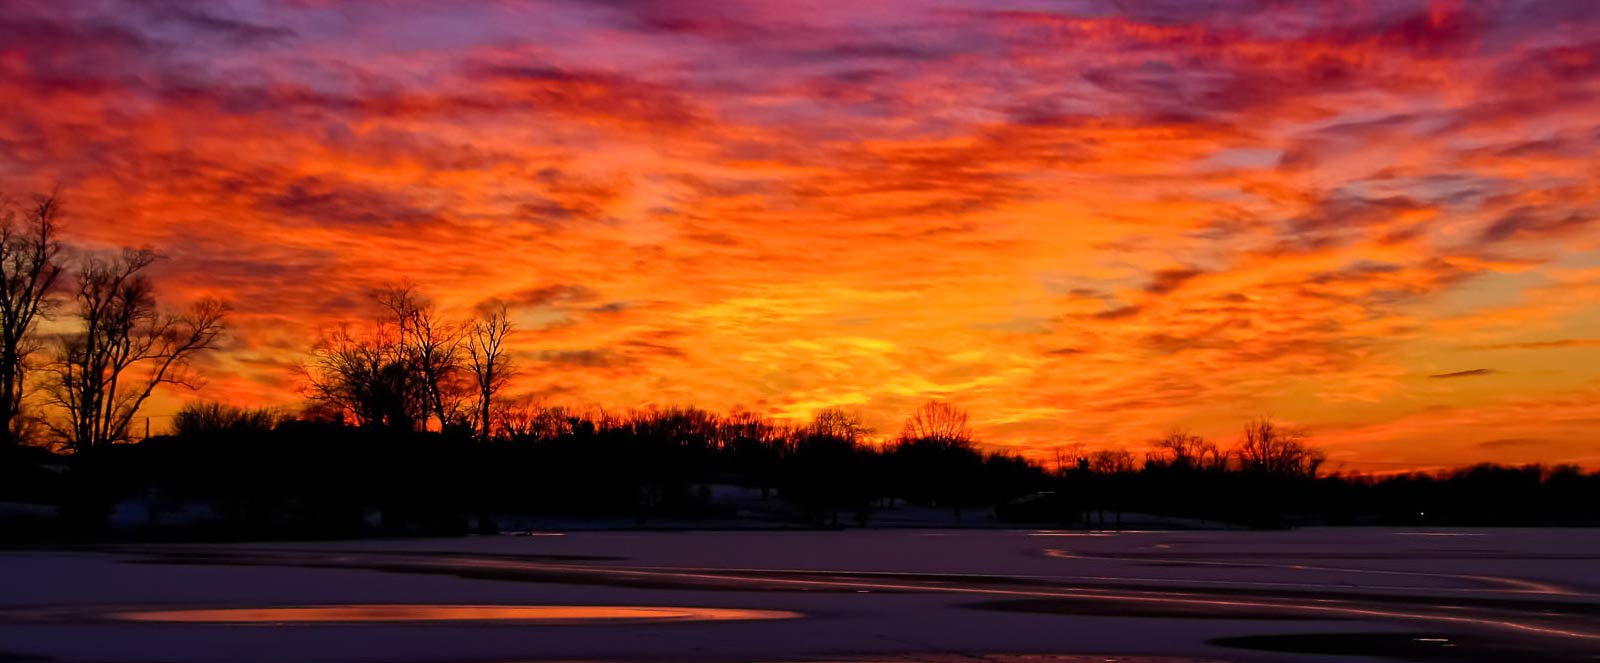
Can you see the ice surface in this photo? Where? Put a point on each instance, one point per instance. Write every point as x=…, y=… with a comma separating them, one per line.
x=863, y=594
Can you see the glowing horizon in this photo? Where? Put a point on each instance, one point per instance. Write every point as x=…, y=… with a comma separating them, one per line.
x=1079, y=222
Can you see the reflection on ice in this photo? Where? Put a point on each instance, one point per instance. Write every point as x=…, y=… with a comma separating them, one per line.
x=552, y=614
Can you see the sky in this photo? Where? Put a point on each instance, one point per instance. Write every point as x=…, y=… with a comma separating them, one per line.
x=1085, y=222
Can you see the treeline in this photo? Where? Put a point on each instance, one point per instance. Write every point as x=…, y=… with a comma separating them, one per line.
x=260, y=474
x=268, y=474
x=1479, y=495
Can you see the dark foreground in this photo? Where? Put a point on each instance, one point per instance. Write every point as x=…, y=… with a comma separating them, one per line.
x=1042, y=596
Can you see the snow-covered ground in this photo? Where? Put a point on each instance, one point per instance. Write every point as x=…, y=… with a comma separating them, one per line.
x=1522, y=594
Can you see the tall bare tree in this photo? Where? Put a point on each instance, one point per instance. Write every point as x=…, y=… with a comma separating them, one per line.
x=124, y=347
x=30, y=269
x=491, y=365
x=434, y=347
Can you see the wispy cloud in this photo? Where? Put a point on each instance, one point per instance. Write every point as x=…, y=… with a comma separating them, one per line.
x=1470, y=373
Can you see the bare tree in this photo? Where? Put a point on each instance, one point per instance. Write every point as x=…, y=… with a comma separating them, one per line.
x=124, y=347
x=1273, y=449
x=1111, y=461
x=836, y=423
x=369, y=377
x=29, y=272
x=938, y=422
x=491, y=366
x=1070, y=457
x=433, y=346
x=1183, y=449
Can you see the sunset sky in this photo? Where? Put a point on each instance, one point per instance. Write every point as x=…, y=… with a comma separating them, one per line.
x=1083, y=221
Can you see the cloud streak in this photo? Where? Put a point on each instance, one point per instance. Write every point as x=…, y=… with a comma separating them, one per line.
x=1470, y=373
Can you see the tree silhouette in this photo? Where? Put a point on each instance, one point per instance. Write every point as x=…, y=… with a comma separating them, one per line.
x=938, y=422
x=1111, y=461
x=1183, y=450
x=935, y=457
x=491, y=365
x=1272, y=449
x=826, y=471
x=124, y=347
x=838, y=424
x=197, y=419
x=432, y=349
x=368, y=377
x=756, y=446
x=30, y=269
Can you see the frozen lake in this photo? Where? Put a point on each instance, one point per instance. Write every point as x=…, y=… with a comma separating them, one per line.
x=859, y=595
